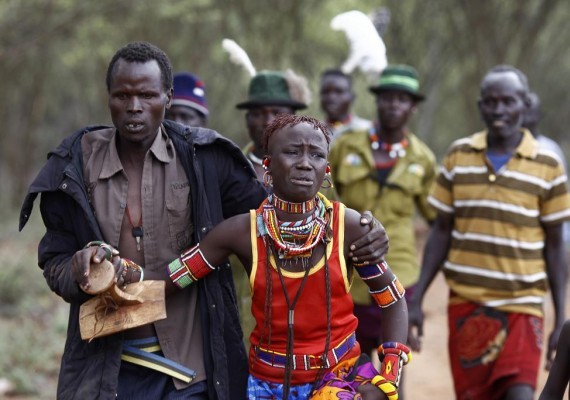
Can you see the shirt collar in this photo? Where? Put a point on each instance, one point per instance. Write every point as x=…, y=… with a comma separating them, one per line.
x=527, y=147
x=161, y=148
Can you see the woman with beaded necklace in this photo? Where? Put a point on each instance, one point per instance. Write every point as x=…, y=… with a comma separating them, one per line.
x=294, y=249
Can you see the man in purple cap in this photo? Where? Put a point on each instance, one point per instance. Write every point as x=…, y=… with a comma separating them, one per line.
x=189, y=106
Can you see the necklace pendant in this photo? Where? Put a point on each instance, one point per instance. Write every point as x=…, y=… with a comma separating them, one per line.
x=291, y=318
x=138, y=234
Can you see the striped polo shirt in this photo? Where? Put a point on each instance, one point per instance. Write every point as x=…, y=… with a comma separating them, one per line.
x=496, y=250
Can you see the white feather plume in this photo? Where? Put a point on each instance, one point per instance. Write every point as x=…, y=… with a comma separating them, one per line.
x=367, y=49
x=238, y=56
x=298, y=87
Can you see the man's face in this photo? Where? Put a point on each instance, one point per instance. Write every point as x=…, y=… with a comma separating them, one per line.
x=297, y=162
x=503, y=103
x=394, y=107
x=137, y=100
x=186, y=116
x=258, y=118
x=336, y=97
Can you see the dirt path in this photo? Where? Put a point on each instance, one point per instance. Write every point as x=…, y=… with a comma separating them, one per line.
x=428, y=376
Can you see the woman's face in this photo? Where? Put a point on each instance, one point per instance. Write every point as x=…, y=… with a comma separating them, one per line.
x=297, y=162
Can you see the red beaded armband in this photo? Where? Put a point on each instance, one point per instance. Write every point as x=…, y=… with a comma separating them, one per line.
x=390, y=294
x=393, y=356
x=189, y=267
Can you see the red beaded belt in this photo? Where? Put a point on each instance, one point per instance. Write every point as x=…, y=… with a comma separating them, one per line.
x=307, y=361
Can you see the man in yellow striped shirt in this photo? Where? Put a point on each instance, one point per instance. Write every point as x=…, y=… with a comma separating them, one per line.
x=501, y=202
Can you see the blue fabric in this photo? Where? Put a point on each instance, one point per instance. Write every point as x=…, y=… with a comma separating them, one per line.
x=189, y=91
x=260, y=389
x=136, y=349
x=140, y=383
x=498, y=160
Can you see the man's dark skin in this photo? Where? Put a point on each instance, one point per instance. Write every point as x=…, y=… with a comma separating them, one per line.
x=558, y=378
x=137, y=102
x=256, y=119
x=186, y=116
x=336, y=97
x=502, y=105
x=394, y=108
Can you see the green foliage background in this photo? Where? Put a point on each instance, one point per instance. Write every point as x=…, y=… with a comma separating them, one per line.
x=54, y=54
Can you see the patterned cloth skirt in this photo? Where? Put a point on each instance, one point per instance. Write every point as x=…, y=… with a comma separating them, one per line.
x=339, y=383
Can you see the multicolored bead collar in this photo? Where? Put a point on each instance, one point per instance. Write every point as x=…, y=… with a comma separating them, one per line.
x=293, y=208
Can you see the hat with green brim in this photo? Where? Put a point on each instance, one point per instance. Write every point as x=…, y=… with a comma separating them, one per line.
x=270, y=88
x=399, y=77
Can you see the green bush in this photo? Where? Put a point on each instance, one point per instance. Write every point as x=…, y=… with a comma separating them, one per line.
x=33, y=320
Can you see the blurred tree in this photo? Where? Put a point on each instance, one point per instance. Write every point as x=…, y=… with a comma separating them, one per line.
x=54, y=54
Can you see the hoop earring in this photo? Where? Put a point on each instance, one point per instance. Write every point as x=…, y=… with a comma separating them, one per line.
x=329, y=182
x=267, y=179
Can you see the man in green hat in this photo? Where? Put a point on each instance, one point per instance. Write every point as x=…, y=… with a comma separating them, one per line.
x=270, y=93
x=388, y=170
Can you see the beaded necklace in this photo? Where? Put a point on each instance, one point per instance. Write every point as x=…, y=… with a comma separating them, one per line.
x=394, y=150
x=290, y=225
x=293, y=208
x=294, y=243
x=288, y=230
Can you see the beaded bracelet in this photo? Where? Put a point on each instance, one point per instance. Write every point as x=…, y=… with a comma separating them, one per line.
x=109, y=250
x=131, y=266
x=189, y=267
x=393, y=356
x=386, y=387
x=371, y=271
x=403, y=355
x=395, y=348
x=393, y=292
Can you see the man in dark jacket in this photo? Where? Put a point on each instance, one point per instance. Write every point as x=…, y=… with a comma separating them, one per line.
x=150, y=188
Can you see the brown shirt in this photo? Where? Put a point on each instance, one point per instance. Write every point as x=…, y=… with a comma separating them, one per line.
x=167, y=226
